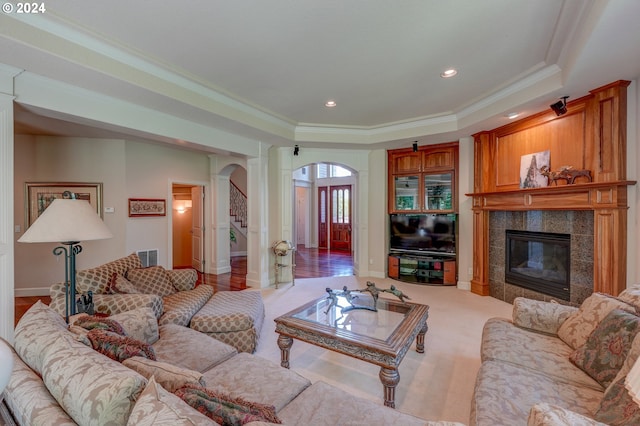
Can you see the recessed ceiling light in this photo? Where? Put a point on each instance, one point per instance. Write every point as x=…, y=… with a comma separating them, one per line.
x=512, y=115
x=449, y=73
x=330, y=104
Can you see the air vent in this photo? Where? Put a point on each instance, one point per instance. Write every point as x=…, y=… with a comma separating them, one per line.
x=148, y=257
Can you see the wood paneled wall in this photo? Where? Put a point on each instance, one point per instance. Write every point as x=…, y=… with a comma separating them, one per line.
x=592, y=136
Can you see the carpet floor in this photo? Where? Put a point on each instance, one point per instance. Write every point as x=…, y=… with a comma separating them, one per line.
x=435, y=385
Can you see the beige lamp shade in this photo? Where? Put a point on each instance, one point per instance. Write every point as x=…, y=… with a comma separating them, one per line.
x=67, y=220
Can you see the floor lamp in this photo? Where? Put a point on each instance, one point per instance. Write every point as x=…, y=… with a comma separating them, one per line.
x=67, y=221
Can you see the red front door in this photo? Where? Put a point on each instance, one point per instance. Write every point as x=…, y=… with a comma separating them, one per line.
x=323, y=217
x=340, y=217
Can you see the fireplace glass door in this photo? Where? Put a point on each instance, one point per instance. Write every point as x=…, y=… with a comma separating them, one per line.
x=539, y=261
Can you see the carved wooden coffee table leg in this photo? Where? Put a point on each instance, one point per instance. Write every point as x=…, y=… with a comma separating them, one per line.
x=390, y=379
x=284, y=343
x=420, y=338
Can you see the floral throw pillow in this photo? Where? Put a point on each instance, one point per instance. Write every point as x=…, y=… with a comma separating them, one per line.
x=575, y=330
x=617, y=408
x=119, y=347
x=226, y=410
x=606, y=349
x=91, y=322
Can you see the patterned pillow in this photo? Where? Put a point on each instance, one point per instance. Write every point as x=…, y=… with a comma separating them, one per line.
x=141, y=324
x=607, y=347
x=156, y=406
x=631, y=295
x=617, y=408
x=89, y=387
x=97, y=279
x=119, y=347
x=577, y=328
x=91, y=323
x=226, y=410
x=183, y=279
x=151, y=280
x=169, y=376
x=118, y=284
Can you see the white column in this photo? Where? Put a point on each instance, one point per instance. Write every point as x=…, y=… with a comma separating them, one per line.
x=220, y=242
x=285, y=209
x=6, y=218
x=360, y=229
x=258, y=246
x=465, y=214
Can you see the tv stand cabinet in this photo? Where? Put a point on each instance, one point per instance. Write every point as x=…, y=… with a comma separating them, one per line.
x=428, y=269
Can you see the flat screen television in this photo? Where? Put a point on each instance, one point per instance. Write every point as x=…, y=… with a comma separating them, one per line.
x=423, y=232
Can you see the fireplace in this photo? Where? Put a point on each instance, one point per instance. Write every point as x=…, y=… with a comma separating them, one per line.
x=539, y=261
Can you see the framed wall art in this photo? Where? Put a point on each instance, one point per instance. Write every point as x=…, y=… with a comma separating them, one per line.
x=139, y=207
x=39, y=195
x=530, y=165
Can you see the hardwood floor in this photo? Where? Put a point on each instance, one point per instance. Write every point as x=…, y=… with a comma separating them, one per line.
x=310, y=263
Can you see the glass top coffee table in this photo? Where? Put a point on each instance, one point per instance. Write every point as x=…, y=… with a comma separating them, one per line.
x=380, y=337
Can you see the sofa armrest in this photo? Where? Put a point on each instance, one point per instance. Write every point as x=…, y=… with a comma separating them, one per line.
x=544, y=414
x=111, y=304
x=545, y=317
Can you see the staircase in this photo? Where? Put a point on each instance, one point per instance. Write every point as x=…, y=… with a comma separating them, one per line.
x=238, y=209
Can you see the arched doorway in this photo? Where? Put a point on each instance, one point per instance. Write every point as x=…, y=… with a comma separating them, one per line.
x=323, y=211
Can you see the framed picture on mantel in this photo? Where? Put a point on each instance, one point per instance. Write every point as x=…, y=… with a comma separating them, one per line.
x=141, y=207
x=530, y=175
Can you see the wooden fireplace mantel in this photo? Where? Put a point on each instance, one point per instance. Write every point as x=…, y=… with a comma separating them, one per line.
x=590, y=136
x=586, y=196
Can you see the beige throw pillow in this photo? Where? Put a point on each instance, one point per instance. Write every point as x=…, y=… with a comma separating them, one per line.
x=157, y=406
x=577, y=328
x=141, y=324
x=169, y=376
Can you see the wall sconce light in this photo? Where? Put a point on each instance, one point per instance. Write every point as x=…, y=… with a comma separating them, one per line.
x=296, y=150
x=560, y=107
x=415, y=146
x=182, y=206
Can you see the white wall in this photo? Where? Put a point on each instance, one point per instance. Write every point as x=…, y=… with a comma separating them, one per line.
x=127, y=170
x=49, y=159
x=149, y=169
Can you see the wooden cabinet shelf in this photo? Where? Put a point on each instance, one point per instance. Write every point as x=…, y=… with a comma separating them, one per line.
x=420, y=182
x=423, y=269
x=423, y=181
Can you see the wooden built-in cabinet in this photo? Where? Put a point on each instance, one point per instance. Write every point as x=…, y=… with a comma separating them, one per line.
x=591, y=135
x=422, y=186
x=423, y=181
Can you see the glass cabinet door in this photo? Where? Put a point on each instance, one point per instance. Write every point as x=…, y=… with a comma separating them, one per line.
x=438, y=193
x=406, y=192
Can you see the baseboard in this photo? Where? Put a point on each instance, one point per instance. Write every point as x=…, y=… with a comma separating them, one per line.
x=31, y=292
x=464, y=285
x=238, y=253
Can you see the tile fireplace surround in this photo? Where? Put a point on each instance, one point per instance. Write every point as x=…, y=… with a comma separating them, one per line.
x=577, y=223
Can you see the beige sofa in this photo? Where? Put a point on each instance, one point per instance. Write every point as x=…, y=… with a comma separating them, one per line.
x=553, y=364
x=123, y=284
x=59, y=379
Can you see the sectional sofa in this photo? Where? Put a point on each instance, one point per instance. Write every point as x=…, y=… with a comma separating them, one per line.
x=121, y=285
x=552, y=364
x=59, y=378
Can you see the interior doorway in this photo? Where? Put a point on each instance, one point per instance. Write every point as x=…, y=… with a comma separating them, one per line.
x=187, y=203
x=324, y=205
